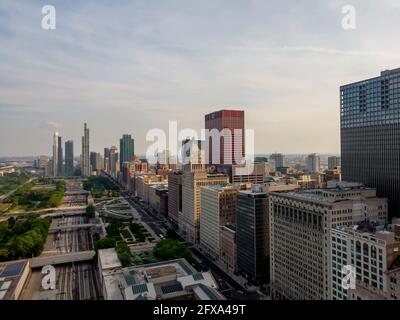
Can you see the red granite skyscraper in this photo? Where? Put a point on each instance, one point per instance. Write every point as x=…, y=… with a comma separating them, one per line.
x=233, y=151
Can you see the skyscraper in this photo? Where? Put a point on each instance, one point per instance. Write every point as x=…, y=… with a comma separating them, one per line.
x=126, y=149
x=333, y=162
x=113, y=162
x=85, y=152
x=252, y=234
x=106, y=159
x=93, y=156
x=192, y=180
x=234, y=150
x=69, y=158
x=278, y=159
x=300, y=225
x=313, y=163
x=218, y=208
x=55, y=154
x=60, y=158
x=106, y=152
x=175, y=196
x=370, y=134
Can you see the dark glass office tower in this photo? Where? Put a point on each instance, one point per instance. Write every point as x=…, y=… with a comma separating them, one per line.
x=126, y=149
x=370, y=135
x=252, y=234
x=69, y=158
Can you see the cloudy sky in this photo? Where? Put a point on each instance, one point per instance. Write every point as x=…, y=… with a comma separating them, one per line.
x=130, y=66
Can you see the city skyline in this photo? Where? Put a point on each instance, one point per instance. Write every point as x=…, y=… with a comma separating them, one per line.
x=160, y=61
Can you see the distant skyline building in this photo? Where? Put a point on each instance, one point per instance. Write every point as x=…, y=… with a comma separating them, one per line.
x=85, y=158
x=93, y=156
x=313, y=163
x=126, y=149
x=278, y=160
x=55, y=154
x=113, y=167
x=234, y=150
x=69, y=158
x=333, y=162
x=370, y=135
x=106, y=159
x=60, y=158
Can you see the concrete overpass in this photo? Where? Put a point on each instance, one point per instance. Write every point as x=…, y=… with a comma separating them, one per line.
x=44, y=211
x=74, y=227
x=62, y=258
x=77, y=193
x=63, y=214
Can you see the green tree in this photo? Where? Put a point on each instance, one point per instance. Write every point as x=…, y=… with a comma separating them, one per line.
x=124, y=254
x=170, y=249
x=105, y=243
x=91, y=211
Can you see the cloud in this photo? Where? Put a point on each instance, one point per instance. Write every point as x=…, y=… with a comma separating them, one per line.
x=132, y=66
x=53, y=124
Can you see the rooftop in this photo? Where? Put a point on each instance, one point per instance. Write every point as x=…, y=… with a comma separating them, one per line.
x=109, y=259
x=11, y=273
x=162, y=280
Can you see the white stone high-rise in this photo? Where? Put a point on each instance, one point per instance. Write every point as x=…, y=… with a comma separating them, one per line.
x=300, y=225
x=313, y=163
x=55, y=154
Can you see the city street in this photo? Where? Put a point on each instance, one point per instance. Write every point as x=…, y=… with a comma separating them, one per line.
x=228, y=286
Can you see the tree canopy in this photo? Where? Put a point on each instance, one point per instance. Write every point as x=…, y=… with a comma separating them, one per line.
x=22, y=238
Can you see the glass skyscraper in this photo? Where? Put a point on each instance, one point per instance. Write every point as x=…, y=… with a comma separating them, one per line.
x=252, y=235
x=370, y=135
x=126, y=149
x=69, y=158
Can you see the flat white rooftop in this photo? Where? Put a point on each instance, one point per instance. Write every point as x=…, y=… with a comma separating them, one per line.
x=109, y=259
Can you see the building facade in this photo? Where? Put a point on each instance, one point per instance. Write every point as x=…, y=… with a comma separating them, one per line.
x=370, y=135
x=85, y=158
x=300, y=228
x=313, y=163
x=232, y=150
x=369, y=249
x=60, y=161
x=252, y=235
x=218, y=208
x=175, y=197
x=192, y=181
x=333, y=162
x=278, y=160
x=126, y=149
x=69, y=158
x=55, y=154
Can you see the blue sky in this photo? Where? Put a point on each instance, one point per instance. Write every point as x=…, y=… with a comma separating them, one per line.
x=130, y=66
